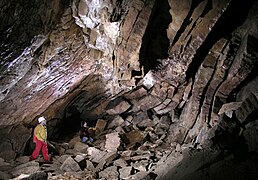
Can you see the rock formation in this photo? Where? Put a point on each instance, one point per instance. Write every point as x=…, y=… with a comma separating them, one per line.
x=170, y=85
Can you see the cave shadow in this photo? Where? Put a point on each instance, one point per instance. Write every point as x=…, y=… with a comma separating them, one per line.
x=207, y=164
x=233, y=17
x=82, y=107
x=155, y=42
x=69, y=124
x=227, y=157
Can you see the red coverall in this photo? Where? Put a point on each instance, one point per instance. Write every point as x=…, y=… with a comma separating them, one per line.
x=40, y=138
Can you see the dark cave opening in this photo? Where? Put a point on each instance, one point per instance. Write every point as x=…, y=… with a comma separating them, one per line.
x=229, y=138
x=70, y=123
x=66, y=128
x=155, y=42
x=62, y=130
x=251, y=118
x=81, y=106
x=58, y=130
x=85, y=102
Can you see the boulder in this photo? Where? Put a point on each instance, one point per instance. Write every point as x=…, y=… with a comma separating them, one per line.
x=117, y=106
x=109, y=173
x=125, y=172
x=135, y=136
x=95, y=154
x=62, y=158
x=5, y=175
x=120, y=163
x=112, y=142
x=229, y=108
x=27, y=168
x=81, y=147
x=70, y=165
x=100, y=126
x=117, y=121
x=136, y=93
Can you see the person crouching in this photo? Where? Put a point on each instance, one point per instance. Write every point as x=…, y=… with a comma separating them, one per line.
x=86, y=133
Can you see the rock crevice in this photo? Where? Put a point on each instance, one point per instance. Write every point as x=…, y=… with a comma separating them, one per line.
x=165, y=81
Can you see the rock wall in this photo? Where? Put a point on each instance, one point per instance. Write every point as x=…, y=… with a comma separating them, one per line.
x=196, y=76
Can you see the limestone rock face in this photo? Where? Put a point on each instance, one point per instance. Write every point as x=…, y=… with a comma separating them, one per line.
x=165, y=73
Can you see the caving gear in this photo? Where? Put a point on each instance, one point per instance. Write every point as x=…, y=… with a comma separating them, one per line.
x=41, y=119
x=40, y=132
x=40, y=145
x=85, y=139
x=83, y=124
x=86, y=133
x=40, y=138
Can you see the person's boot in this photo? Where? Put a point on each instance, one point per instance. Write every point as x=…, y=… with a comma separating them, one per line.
x=47, y=162
x=31, y=159
x=50, y=157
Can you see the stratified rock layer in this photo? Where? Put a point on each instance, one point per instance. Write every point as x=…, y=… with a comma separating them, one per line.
x=193, y=84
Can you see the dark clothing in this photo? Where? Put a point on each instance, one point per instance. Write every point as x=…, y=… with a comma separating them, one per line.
x=87, y=132
x=84, y=132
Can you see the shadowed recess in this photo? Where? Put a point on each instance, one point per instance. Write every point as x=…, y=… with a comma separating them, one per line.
x=233, y=17
x=155, y=42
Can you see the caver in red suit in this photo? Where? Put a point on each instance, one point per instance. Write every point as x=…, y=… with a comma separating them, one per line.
x=40, y=138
